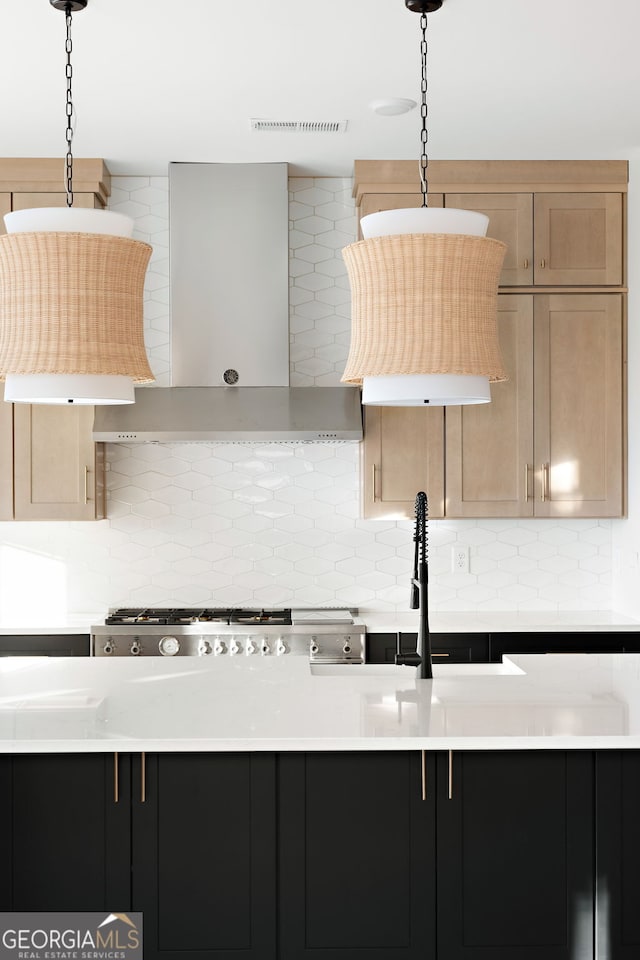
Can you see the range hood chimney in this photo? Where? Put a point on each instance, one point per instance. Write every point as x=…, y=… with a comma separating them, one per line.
x=230, y=323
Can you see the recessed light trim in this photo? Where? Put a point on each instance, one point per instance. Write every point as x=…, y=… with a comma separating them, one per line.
x=392, y=106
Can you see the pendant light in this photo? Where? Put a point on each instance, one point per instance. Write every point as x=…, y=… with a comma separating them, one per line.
x=424, y=286
x=71, y=294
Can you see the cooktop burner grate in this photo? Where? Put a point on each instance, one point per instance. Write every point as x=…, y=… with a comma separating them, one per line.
x=177, y=615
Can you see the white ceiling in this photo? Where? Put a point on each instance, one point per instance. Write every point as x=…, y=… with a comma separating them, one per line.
x=162, y=80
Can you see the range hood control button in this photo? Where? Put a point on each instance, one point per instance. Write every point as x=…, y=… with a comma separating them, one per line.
x=168, y=646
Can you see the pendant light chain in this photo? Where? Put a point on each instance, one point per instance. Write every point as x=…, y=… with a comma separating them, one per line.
x=68, y=169
x=424, y=136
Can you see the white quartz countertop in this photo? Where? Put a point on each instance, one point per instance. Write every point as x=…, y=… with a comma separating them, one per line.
x=576, y=701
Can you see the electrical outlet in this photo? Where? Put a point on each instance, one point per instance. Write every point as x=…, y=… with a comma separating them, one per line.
x=460, y=559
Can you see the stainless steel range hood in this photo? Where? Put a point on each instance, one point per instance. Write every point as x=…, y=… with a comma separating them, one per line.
x=234, y=415
x=230, y=323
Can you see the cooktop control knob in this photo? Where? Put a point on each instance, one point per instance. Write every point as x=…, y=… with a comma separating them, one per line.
x=134, y=649
x=108, y=648
x=346, y=647
x=281, y=647
x=251, y=647
x=204, y=648
x=219, y=647
x=169, y=646
x=265, y=649
x=314, y=646
x=234, y=648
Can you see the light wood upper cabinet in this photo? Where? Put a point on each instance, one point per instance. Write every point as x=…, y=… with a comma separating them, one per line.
x=550, y=442
x=58, y=469
x=511, y=221
x=553, y=239
x=5, y=207
x=578, y=239
x=489, y=446
x=402, y=453
x=6, y=460
x=578, y=404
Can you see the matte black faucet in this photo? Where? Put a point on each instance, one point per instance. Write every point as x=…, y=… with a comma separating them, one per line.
x=421, y=656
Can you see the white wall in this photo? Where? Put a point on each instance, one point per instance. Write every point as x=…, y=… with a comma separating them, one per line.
x=233, y=524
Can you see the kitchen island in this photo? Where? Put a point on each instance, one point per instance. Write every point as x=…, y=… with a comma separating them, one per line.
x=250, y=808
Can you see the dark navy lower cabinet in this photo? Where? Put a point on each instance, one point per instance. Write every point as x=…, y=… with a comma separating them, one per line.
x=515, y=856
x=618, y=854
x=64, y=833
x=357, y=856
x=335, y=856
x=204, y=845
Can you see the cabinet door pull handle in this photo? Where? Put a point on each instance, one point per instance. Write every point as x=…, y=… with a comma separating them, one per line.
x=450, y=794
x=440, y=654
x=423, y=770
x=116, y=785
x=525, y=263
x=543, y=263
x=526, y=483
x=373, y=483
x=546, y=494
x=143, y=778
x=86, y=486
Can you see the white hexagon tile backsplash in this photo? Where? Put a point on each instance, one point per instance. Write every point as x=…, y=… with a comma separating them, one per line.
x=277, y=524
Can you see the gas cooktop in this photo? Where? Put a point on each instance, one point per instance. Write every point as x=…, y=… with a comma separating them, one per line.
x=324, y=634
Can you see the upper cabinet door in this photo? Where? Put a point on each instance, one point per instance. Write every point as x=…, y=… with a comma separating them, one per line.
x=402, y=453
x=489, y=446
x=6, y=459
x=511, y=221
x=578, y=239
x=578, y=405
x=57, y=468
x=5, y=207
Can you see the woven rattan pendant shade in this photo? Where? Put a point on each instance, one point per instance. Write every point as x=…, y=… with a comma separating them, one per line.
x=424, y=304
x=71, y=303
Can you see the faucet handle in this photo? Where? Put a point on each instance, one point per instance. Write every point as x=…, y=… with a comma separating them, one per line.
x=410, y=659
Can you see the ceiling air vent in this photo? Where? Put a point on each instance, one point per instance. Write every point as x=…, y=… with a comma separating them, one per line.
x=298, y=126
